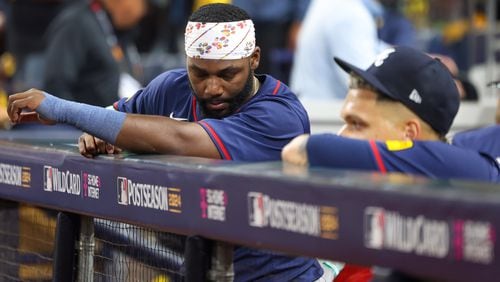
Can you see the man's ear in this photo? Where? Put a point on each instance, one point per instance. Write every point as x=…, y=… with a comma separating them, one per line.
x=412, y=129
x=255, y=58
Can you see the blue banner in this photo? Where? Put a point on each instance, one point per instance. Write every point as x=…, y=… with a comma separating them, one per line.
x=441, y=229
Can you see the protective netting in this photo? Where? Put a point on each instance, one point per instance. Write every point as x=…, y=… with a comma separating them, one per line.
x=26, y=242
x=124, y=252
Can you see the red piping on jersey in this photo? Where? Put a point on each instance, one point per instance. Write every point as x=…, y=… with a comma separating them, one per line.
x=278, y=84
x=193, y=107
x=225, y=153
x=378, y=157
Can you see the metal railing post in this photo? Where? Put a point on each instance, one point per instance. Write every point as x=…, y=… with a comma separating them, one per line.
x=86, y=246
x=222, y=262
x=197, y=255
x=64, y=251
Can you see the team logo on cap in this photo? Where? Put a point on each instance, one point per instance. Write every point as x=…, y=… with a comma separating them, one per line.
x=379, y=60
x=415, y=97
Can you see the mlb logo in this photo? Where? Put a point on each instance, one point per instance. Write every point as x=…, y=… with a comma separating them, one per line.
x=256, y=210
x=122, y=190
x=374, y=227
x=47, y=178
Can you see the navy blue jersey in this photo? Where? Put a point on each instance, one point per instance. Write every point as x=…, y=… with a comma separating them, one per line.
x=256, y=132
x=433, y=159
x=484, y=140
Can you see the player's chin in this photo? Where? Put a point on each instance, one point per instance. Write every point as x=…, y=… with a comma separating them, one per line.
x=217, y=114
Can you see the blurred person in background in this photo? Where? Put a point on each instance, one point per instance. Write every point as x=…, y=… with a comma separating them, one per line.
x=394, y=27
x=346, y=29
x=89, y=57
x=277, y=23
x=157, y=37
x=196, y=4
x=7, y=65
x=151, y=29
x=466, y=89
x=485, y=140
x=460, y=27
x=27, y=22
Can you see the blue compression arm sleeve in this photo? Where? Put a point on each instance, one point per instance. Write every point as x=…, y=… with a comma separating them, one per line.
x=100, y=122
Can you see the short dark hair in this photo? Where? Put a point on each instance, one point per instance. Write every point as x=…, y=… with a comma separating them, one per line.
x=219, y=13
x=357, y=82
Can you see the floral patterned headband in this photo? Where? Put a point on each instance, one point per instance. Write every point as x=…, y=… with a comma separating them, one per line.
x=220, y=41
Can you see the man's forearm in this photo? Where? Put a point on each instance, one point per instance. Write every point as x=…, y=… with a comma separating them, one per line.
x=100, y=122
x=138, y=133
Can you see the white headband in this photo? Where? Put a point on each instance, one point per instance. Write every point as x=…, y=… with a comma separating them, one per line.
x=220, y=41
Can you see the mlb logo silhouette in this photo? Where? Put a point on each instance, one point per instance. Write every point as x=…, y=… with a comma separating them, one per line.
x=47, y=178
x=374, y=227
x=122, y=190
x=256, y=212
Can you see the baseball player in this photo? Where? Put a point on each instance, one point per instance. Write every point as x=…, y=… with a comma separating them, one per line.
x=217, y=108
x=396, y=115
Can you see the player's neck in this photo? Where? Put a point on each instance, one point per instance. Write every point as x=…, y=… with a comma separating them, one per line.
x=256, y=85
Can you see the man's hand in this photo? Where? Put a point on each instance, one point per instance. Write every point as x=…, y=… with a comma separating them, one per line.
x=29, y=100
x=91, y=146
x=295, y=152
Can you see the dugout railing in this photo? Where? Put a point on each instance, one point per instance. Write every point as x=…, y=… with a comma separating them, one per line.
x=438, y=229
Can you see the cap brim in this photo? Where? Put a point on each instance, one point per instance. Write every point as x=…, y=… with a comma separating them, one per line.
x=368, y=77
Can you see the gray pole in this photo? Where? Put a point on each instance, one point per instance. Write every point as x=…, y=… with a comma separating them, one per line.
x=222, y=263
x=86, y=246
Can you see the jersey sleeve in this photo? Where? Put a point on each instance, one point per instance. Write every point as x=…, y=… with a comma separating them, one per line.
x=256, y=134
x=146, y=100
x=329, y=150
x=432, y=159
x=150, y=100
x=485, y=140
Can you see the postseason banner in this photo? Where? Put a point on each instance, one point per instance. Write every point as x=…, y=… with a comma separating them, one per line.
x=441, y=229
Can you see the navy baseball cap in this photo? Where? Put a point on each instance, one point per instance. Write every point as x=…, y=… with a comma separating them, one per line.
x=420, y=82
